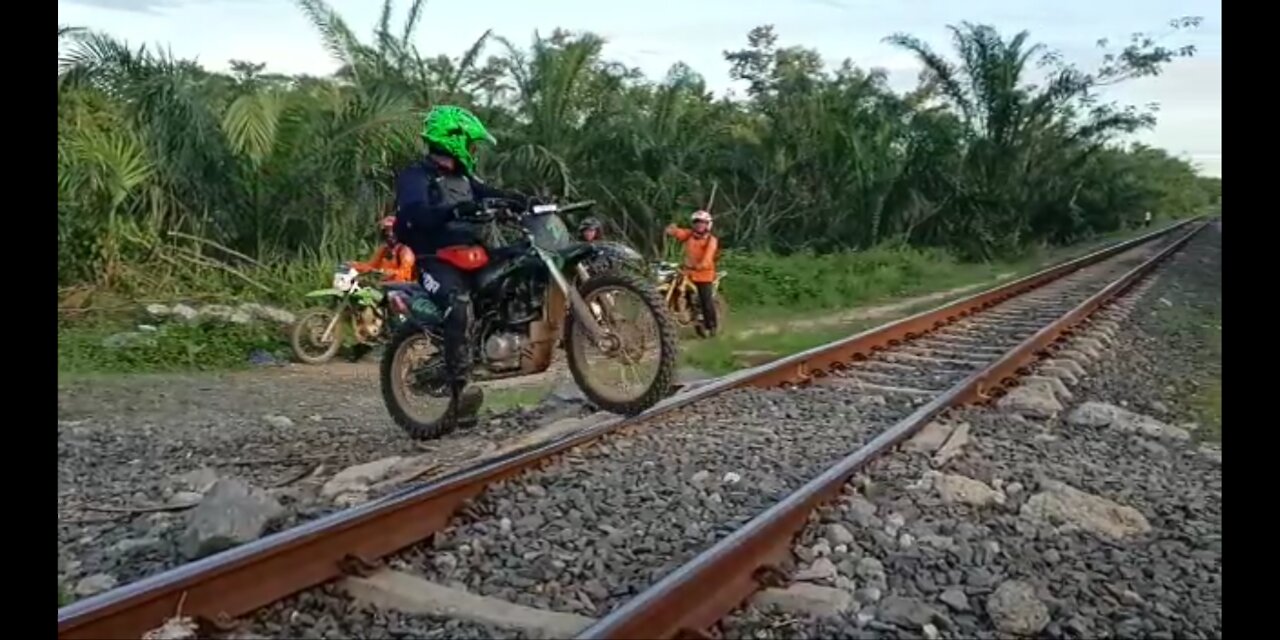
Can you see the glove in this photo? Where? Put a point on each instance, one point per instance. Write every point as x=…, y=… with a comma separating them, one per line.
x=466, y=209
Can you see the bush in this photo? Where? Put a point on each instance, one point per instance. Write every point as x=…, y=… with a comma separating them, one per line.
x=84, y=347
x=804, y=281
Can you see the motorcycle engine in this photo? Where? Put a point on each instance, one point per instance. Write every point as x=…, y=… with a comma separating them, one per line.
x=368, y=325
x=502, y=350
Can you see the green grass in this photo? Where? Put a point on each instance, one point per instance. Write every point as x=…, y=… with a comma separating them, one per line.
x=174, y=347
x=500, y=400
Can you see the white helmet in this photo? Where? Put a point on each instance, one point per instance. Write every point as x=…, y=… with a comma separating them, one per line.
x=702, y=216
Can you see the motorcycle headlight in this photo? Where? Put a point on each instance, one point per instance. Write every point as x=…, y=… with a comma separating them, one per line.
x=344, y=279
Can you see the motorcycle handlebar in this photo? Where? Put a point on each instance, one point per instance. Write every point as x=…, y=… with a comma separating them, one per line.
x=498, y=207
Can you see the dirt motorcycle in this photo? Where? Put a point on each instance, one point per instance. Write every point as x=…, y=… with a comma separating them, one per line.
x=681, y=297
x=318, y=334
x=528, y=297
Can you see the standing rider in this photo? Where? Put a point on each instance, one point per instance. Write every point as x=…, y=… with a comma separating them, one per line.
x=436, y=199
x=700, y=249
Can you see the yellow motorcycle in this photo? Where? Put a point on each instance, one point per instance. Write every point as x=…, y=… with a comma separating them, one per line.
x=681, y=297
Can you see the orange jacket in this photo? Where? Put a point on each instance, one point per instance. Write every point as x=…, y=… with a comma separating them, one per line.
x=397, y=267
x=699, y=253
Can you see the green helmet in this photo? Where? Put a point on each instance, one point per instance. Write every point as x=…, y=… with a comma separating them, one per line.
x=453, y=130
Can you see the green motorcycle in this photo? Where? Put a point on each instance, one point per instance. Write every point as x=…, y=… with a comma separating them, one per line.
x=351, y=305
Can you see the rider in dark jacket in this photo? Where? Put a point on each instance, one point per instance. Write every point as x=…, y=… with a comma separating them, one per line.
x=435, y=196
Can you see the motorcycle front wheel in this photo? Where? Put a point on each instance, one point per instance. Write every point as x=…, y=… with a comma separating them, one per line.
x=633, y=366
x=414, y=388
x=307, y=336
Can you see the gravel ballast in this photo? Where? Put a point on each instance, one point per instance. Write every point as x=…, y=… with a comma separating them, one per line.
x=1075, y=531
x=129, y=448
x=599, y=524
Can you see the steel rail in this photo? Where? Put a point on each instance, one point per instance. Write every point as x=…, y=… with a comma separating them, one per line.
x=232, y=583
x=691, y=599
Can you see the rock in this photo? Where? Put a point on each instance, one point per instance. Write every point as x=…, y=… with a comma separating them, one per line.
x=356, y=479
x=1062, y=504
x=95, y=584
x=231, y=513
x=806, y=599
x=894, y=522
x=929, y=439
x=197, y=480
x=837, y=534
x=930, y=632
x=132, y=544
x=1036, y=401
x=158, y=311
x=185, y=498
x=216, y=313
x=277, y=422
x=871, y=571
x=862, y=512
x=1066, y=377
x=937, y=542
x=700, y=477
x=445, y=562
x=1130, y=598
x=184, y=313
x=906, y=540
x=1015, y=609
x=1070, y=366
x=955, y=598
x=268, y=313
x=1154, y=448
x=1158, y=407
x=868, y=595
x=960, y=489
x=822, y=570
x=1101, y=414
x=1054, y=385
x=820, y=549
x=730, y=478
x=906, y=612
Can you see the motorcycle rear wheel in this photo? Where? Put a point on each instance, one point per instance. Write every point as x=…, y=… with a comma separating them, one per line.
x=396, y=374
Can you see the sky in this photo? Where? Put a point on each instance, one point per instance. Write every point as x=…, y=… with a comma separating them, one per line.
x=654, y=34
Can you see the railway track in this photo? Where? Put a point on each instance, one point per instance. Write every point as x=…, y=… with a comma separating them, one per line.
x=654, y=526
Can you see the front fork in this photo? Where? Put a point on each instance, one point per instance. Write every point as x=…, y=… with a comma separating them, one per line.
x=600, y=337
x=337, y=317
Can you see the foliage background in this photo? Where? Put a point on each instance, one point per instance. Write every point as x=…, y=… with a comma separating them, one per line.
x=177, y=181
